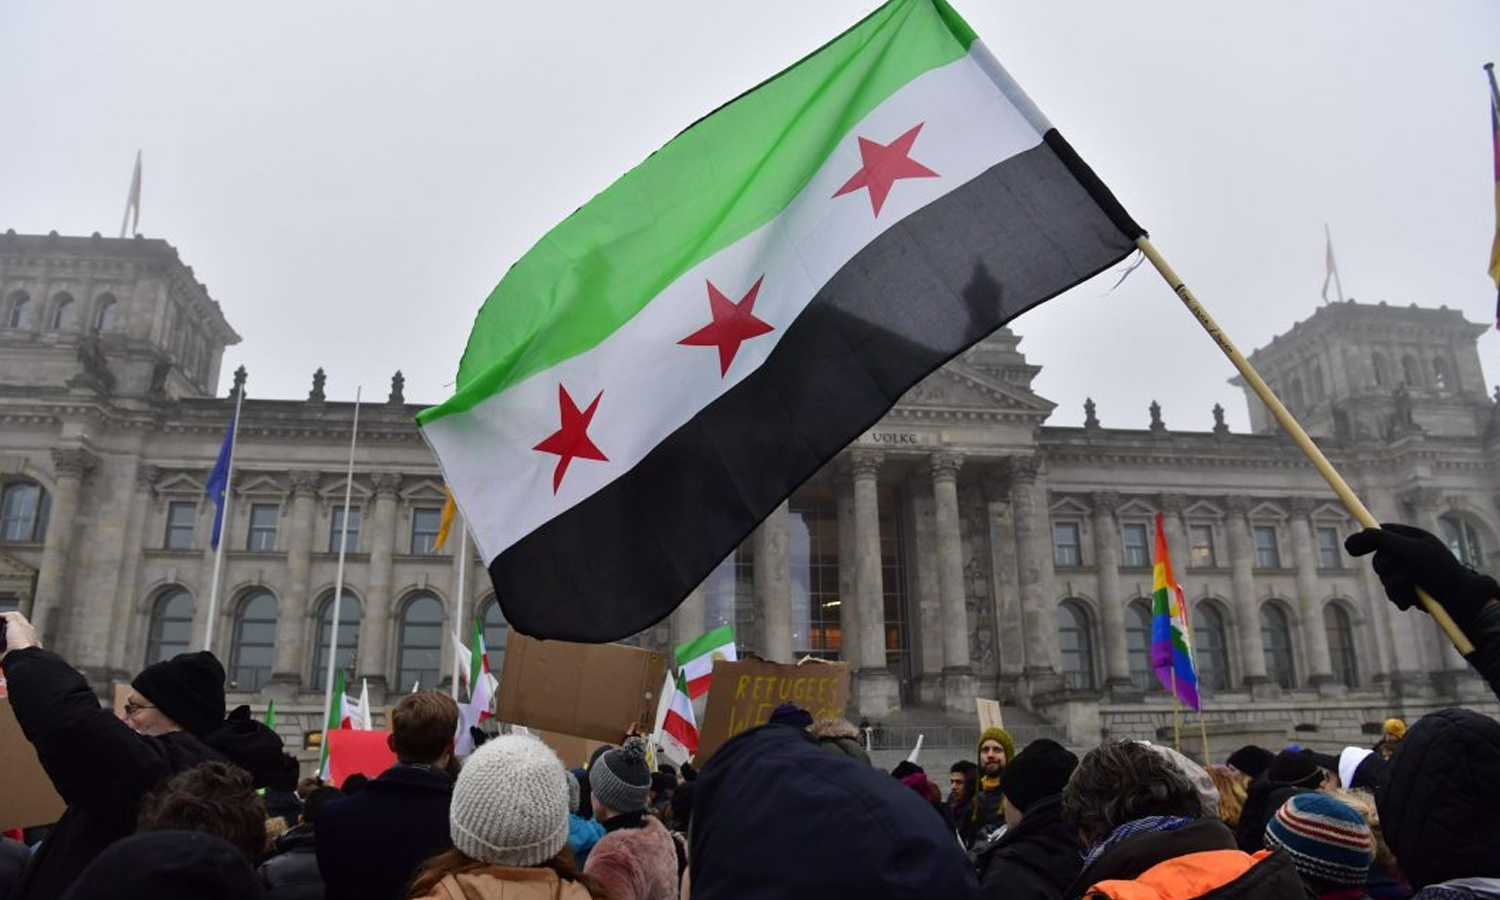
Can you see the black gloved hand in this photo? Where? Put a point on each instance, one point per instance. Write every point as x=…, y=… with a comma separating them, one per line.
x=1406, y=557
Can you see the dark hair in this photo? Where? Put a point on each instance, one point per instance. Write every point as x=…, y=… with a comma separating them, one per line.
x=316, y=799
x=1121, y=781
x=422, y=726
x=455, y=862
x=662, y=783
x=306, y=786
x=355, y=783
x=215, y=798
x=969, y=770
x=688, y=772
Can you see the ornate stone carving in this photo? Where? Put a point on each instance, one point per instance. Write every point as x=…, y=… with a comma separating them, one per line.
x=1220, y=426
x=397, y=395
x=96, y=373
x=75, y=462
x=146, y=477
x=1301, y=507
x=316, y=395
x=1422, y=499
x=239, y=382
x=1022, y=470
x=1105, y=502
x=1090, y=421
x=1238, y=504
x=1172, y=503
x=945, y=465
x=977, y=593
x=1157, y=425
x=386, y=483
x=865, y=463
x=303, y=481
x=159, y=372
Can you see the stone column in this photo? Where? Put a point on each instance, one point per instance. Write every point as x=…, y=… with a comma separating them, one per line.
x=373, y=650
x=843, y=489
x=689, y=619
x=958, y=674
x=1426, y=506
x=773, y=583
x=1172, y=506
x=1314, y=629
x=1038, y=619
x=127, y=636
x=1111, y=602
x=1242, y=579
x=70, y=467
x=294, y=650
x=876, y=688
x=1004, y=583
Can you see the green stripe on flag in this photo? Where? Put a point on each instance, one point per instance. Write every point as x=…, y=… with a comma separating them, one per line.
x=715, y=639
x=725, y=176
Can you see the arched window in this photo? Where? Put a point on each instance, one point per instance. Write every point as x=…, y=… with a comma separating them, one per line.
x=1441, y=380
x=1319, y=389
x=18, y=311
x=496, y=635
x=1077, y=644
x=1341, y=644
x=1381, y=375
x=1138, y=644
x=107, y=315
x=419, y=646
x=1276, y=636
x=1209, y=648
x=1411, y=375
x=348, y=636
x=171, y=626
x=24, y=509
x=1295, y=394
x=1462, y=539
x=64, y=312
x=254, y=641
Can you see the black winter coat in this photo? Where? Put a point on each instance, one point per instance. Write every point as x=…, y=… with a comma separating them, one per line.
x=984, y=815
x=371, y=844
x=99, y=766
x=1274, y=878
x=821, y=825
x=1484, y=633
x=292, y=874
x=1036, y=860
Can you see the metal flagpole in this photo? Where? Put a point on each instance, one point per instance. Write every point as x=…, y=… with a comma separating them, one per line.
x=338, y=578
x=223, y=512
x=458, y=615
x=1294, y=429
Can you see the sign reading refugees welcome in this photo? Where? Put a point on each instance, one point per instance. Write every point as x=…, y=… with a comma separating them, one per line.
x=745, y=693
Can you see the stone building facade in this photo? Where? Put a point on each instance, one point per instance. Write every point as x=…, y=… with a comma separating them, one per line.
x=960, y=548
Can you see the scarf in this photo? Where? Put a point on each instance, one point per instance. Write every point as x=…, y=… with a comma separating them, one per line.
x=1149, y=824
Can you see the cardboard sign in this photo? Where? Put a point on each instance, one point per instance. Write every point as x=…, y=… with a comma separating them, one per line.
x=590, y=690
x=353, y=752
x=989, y=714
x=28, y=797
x=574, y=751
x=743, y=694
x=122, y=693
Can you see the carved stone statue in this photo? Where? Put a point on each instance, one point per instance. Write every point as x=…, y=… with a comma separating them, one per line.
x=1156, y=423
x=239, y=382
x=316, y=395
x=1089, y=419
x=398, y=389
x=1220, y=426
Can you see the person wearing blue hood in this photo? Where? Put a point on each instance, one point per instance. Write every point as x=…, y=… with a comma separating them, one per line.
x=103, y=765
x=821, y=825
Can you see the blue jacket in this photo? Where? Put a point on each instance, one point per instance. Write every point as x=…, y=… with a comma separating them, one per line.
x=583, y=834
x=371, y=844
x=822, y=825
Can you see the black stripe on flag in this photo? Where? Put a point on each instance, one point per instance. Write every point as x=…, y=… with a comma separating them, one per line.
x=924, y=291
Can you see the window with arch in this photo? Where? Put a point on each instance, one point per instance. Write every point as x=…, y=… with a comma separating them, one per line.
x=419, y=643
x=1462, y=539
x=107, y=314
x=171, y=628
x=254, y=641
x=18, y=310
x=1138, y=644
x=1276, y=637
x=1076, y=640
x=1411, y=375
x=64, y=313
x=24, y=507
x=496, y=633
x=1377, y=362
x=348, y=636
x=1294, y=394
x=1319, y=388
x=1340, y=630
x=1210, y=648
x=1442, y=379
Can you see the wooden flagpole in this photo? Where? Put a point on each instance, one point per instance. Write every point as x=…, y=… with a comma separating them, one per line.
x=1283, y=416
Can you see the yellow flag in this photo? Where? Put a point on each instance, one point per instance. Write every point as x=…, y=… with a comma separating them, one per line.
x=446, y=521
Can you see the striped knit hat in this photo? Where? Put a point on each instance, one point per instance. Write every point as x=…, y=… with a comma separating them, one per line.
x=1329, y=842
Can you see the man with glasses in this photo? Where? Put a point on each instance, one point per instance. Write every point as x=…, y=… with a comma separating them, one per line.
x=102, y=765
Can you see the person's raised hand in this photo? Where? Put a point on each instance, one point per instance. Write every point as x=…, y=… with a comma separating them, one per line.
x=1406, y=557
x=18, y=633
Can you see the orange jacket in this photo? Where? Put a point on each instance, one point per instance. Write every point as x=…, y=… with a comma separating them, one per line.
x=1197, y=874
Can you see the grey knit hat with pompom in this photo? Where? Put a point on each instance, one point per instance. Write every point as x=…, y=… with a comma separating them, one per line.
x=510, y=803
x=620, y=778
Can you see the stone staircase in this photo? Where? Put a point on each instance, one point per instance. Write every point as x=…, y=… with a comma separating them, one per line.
x=947, y=737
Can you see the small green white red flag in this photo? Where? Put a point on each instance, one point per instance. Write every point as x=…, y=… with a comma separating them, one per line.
x=696, y=658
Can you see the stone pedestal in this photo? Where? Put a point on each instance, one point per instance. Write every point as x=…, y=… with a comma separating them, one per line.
x=876, y=693
x=959, y=690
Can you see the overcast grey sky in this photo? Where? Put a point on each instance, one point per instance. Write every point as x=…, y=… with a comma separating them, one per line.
x=350, y=179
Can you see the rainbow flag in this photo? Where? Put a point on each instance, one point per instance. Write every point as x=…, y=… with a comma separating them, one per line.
x=1171, y=642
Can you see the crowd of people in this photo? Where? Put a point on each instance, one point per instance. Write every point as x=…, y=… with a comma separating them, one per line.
x=178, y=797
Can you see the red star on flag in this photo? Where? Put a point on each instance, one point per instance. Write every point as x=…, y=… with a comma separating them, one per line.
x=733, y=324
x=571, y=440
x=884, y=165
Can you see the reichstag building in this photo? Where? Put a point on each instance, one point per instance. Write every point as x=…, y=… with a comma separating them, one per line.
x=960, y=548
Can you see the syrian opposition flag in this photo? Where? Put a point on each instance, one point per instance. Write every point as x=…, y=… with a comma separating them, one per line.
x=667, y=364
x=696, y=658
x=676, y=725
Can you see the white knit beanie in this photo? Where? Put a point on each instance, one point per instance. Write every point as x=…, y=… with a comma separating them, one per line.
x=510, y=803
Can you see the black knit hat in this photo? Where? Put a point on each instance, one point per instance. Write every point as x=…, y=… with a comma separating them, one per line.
x=1251, y=760
x=1040, y=771
x=188, y=689
x=620, y=779
x=1296, y=768
x=190, y=865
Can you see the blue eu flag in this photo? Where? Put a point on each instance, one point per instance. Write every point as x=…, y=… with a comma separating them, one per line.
x=218, y=482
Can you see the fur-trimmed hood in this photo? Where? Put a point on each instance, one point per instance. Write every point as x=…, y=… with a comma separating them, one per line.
x=833, y=728
x=636, y=863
